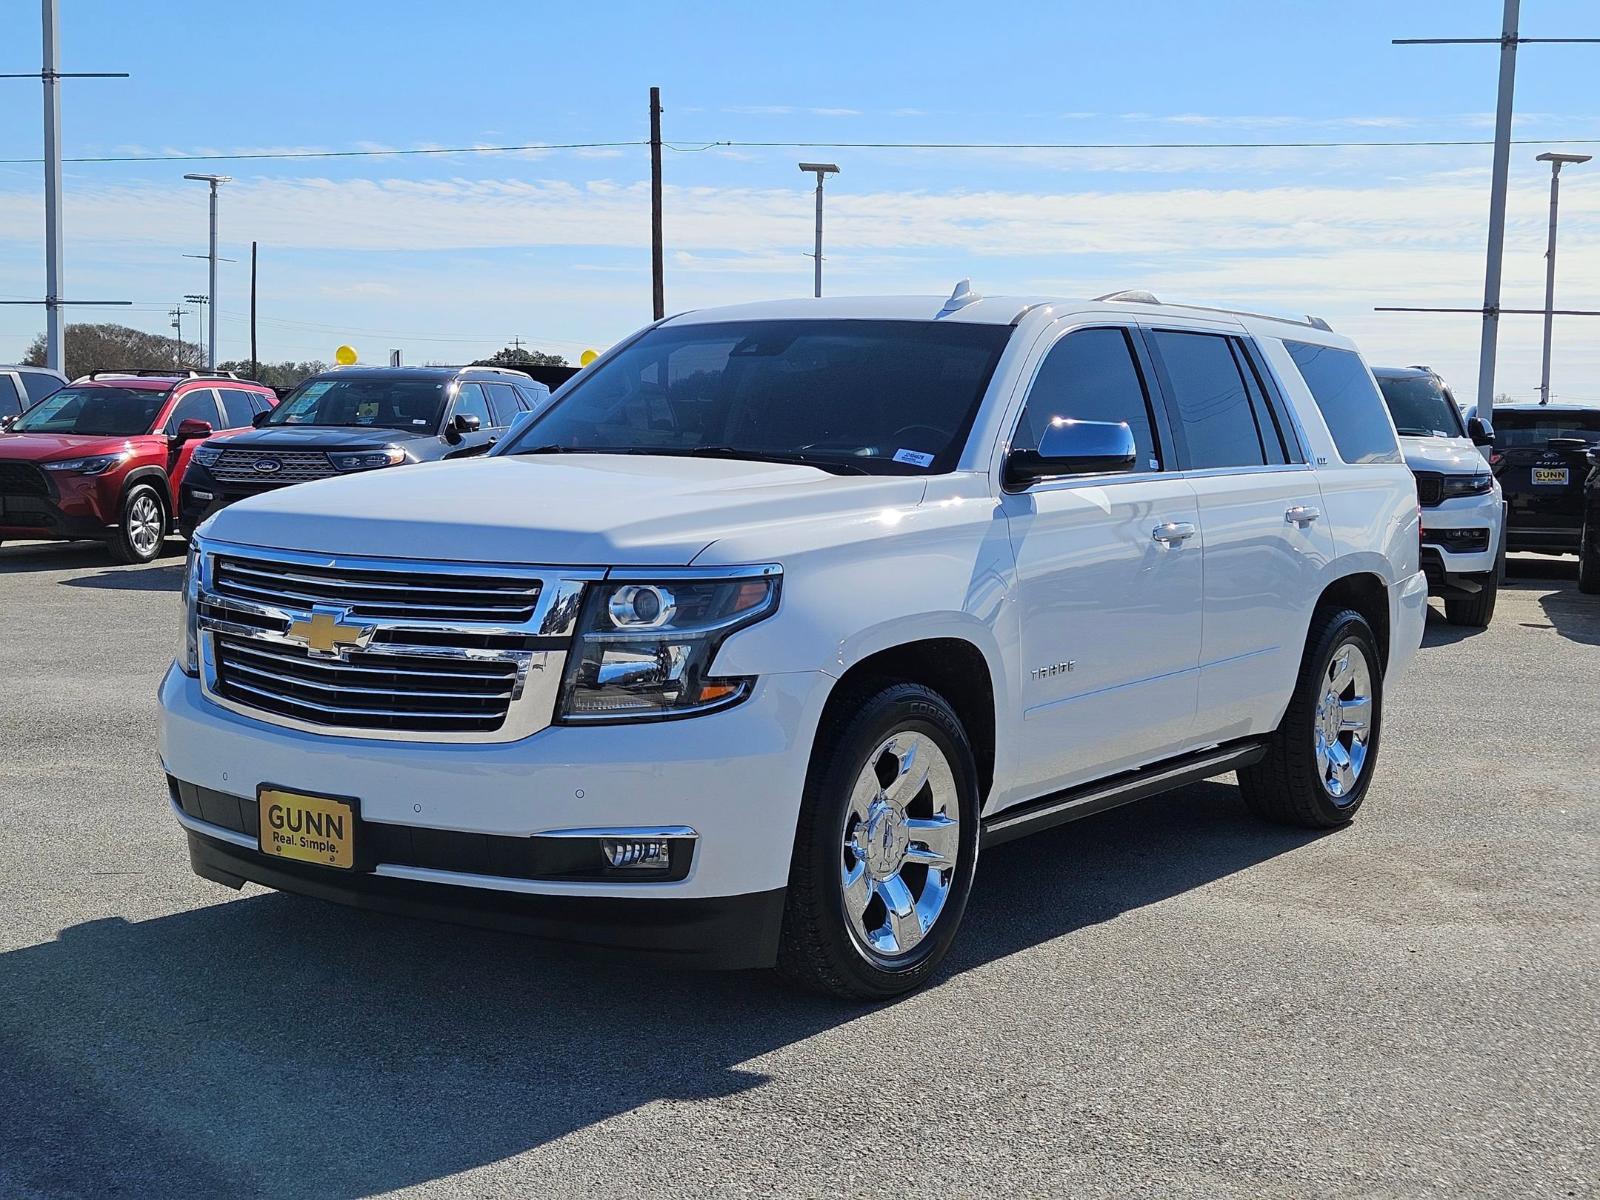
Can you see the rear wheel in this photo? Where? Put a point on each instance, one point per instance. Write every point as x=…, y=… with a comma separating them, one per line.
x=1320, y=760
x=1589, y=559
x=143, y=529
x=885, y=848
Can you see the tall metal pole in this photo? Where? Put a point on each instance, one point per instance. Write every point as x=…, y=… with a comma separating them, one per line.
x=658, y=292
x=1499, y=174
x=817, y=279
x=54, y=330
x=821, y=170
x=211, y=291
x=1550, y=282
x=255, y=364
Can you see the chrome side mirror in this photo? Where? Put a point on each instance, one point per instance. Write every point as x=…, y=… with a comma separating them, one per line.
x=1073, y=448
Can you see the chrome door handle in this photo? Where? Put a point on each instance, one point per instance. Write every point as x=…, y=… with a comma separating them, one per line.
x=1302, y=515
x=1171, y=532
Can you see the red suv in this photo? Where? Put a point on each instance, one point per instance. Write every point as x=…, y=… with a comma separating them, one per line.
x=103, y=457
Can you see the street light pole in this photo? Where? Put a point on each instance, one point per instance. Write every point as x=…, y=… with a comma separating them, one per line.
x=54, y=328
x=1555, y=160
x=211, y=294
x=821, y=170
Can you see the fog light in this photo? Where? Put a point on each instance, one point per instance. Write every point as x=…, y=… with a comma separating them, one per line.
x=636, y=855
x=199, y=495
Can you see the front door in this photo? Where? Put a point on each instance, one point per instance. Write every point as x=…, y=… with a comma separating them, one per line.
x=1108, y=580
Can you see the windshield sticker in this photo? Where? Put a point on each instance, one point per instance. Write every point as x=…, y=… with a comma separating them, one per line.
x=915, y=458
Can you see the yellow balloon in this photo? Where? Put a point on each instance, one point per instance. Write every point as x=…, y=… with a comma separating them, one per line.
x=345, y=356
x=587, y=357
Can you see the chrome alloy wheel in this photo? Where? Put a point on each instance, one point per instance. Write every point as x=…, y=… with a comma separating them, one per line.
x=1344, y=720
x=144, y=524
x=901, y=841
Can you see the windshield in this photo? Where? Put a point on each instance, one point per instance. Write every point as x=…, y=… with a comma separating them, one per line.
x=1420, y=407
x=879, y=397
x=1527, y=427
x=107, y=411
x=409, y=404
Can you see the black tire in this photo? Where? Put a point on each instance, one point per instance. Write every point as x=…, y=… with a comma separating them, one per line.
x=1589, y=559
x=1477, y=609
x=817, y=950
x=1286, y=787
x=128, y=544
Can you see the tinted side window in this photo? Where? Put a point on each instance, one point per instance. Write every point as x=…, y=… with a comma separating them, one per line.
x=38, y=385
x=470, y=400
x=1271, y=437
x=1090, y=375
x=10, y=402
x=199, y=404
x=533, y=397
x=1350, y=402
x=237, y=411
x=1213, y=411
x=502, y=402
x=260, y=403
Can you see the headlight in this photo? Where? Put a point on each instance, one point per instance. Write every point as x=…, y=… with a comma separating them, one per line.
x=365, y=460
x=189, y=647
x=644, y=648
x=206, y=456
x=1466, y=485
x=95, y=464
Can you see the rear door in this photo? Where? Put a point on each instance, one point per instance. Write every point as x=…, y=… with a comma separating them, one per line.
x=1265, y=542
x=1108, y=575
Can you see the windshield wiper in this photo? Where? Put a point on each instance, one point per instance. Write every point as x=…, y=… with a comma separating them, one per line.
x=821, y=462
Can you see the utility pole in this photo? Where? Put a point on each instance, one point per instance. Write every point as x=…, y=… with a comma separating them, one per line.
x=51, y=75
x=255, y=363
x=1508, y=41
x=1555, y=160
x=211, y=294
x=177, y=323
x=821, y=170
x=658, y=291
x=200, y=302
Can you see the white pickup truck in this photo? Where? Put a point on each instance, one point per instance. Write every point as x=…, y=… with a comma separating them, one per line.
x=739, y=651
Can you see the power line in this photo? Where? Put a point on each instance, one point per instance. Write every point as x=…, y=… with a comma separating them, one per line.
x=701, y=147
x=139, y=158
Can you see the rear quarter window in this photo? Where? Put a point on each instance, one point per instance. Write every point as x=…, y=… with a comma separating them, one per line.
x=1349, y=401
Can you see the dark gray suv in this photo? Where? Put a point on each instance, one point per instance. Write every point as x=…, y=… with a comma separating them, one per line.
x=351, y=419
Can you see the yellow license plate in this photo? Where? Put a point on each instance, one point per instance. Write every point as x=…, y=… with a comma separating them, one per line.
x=1550, y=475
x=311, y=829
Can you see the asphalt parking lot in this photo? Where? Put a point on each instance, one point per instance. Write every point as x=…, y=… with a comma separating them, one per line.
x=1166, y=1000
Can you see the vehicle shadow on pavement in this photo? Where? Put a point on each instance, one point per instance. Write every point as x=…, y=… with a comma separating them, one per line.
x=155, y=577
x=277, y=1046
x=32, y=557
x=1568, y=611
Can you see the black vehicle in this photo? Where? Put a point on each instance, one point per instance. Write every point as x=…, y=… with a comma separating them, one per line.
x=1541, y=457
x=358, y=419
x=1589, y=538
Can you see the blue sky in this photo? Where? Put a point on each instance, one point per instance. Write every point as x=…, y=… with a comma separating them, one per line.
x=448, y=257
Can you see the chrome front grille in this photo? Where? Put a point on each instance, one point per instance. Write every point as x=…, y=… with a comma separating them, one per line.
x=384, y=648
x=431, y=595
x=238, y=465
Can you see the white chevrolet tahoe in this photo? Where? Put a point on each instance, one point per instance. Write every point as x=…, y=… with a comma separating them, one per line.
x=741, y=650
x=1463, y=512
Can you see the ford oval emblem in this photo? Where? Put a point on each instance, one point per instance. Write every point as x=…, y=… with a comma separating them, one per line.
x=268, y=466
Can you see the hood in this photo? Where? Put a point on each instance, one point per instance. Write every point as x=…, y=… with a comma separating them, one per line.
x=562, y=510
x=324, y=437
x=1447, y=456
x=47, y=447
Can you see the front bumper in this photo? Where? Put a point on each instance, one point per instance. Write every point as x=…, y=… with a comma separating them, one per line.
x=201, y=495
x=76, y=507
x=1461, y=538
x=735, y=777
x=716, y=933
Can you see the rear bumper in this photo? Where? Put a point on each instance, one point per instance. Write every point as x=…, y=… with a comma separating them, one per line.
x=1547, y=539
x=714, y=932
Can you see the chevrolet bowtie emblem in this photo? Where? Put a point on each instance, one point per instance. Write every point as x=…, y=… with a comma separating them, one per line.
x=325, y=631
